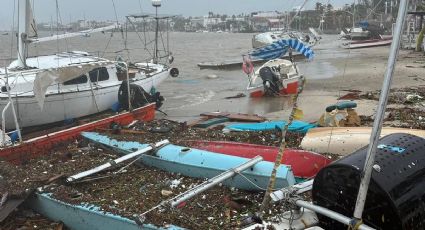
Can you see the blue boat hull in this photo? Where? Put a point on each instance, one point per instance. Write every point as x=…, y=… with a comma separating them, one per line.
x=201, y=164
x=296, y=126
x=85, y=217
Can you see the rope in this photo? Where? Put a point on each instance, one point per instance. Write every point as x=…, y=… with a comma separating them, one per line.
x=354, y=224
x=282, y=147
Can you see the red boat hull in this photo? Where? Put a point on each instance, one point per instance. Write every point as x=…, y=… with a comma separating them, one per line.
x=44, y=144
x=291, y=88
x=304, y=164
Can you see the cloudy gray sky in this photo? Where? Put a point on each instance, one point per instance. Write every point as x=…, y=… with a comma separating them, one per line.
x=103, y=9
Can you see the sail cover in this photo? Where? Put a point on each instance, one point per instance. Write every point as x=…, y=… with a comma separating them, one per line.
x=75, y=34
x=59, y=75
x=30, y=22
x=279, y=48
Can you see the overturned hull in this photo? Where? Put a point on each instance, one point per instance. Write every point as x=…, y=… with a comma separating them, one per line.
x=200, y=164
x=85, y=216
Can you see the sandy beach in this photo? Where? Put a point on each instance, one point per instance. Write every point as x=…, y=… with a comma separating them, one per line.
x=362, y=70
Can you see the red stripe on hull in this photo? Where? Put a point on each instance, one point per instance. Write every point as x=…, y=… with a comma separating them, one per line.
x=291, y=88
x=44, y=144
x=304, y=164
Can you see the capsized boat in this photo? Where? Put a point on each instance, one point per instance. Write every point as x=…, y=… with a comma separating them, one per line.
x=304, y=164
x=86, y=216
x=277, y=76
x=345, y=140
x=267, y=38
x=199, y=163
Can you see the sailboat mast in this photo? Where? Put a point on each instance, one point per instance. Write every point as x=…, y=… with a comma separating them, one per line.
x=23, y=20
x=156, y=4
x=377, y=125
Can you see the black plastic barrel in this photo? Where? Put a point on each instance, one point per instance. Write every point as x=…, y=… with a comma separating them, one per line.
x=396, y=195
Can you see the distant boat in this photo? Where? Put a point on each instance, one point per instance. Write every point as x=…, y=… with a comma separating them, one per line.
x=5, y=33
x=357, y=44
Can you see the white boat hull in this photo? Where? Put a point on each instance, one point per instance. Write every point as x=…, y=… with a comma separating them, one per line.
x=70, y=105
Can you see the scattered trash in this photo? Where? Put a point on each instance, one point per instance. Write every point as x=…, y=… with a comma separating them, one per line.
x=413, y=98
x=212, y=76
x=175, y=184
x=350, y=96
x=166, y=192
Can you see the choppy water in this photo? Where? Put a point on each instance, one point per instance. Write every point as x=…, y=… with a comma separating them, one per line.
x=192, y=92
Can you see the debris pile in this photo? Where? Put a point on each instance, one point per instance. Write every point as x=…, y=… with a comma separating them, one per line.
x=134, y=189
x=405, y=108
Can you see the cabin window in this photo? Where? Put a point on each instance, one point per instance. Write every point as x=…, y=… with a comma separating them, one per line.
x=99, y=74
x=79, y=80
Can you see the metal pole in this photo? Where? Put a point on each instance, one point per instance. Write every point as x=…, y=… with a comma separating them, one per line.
x=377, y=125
x=114, y=162
x=213, y=181
x=329, y=213
x=155, y=59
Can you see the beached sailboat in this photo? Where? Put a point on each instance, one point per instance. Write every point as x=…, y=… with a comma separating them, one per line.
x=51, y=88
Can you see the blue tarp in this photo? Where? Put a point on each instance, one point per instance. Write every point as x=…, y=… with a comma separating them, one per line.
x=296, y=126
x=279, y=48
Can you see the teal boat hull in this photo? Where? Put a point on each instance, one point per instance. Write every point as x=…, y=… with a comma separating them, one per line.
x=296, y=126
x=85, y=216
x=201, y=164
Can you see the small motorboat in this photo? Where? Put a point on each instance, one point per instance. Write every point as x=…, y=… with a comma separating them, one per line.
x=277, y=76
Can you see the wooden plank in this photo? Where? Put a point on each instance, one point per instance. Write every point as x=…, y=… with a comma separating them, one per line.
x=215, y=114
x=235, y=116
x=211, y=122
x=246, y=117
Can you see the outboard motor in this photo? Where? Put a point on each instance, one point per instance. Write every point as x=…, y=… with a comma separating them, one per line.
x=138, y=96
x=271, y=81
x=396, y=194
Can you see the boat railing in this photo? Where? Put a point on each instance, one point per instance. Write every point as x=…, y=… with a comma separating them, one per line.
x=3, y=115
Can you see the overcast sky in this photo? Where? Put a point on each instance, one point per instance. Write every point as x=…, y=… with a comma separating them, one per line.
x=103, y=9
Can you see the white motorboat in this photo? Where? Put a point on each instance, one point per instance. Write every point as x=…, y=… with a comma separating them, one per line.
x=46, y=89
x=277, y=76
